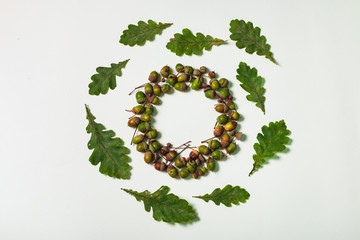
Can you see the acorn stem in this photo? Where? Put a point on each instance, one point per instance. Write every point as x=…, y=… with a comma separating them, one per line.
x=183, y=144
x=131, y=142
x=137, y=88
x=208, y=139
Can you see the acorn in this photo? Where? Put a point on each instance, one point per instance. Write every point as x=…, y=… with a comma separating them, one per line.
x=234, y=115
x=142, y=147
x=149, y=109
x=203, y=69
x=180, y=162
x=164, y=150
x=217, y=155
x=224, y=93
x=211, y=164
x=195, y=175
x=160, y=166
x=231, y=104
x=153, y=99
x=225, y=140
x=201, y=158
x=145, y=117
x=204, y=150
x=218, y=131
x=188, y=69
x=194, y=154
x=223, y=82
x=231, y=148
x=214, y=144
x=171, y=170
x=140, y=97
x=201, y=171
x=153, y=77
x=230, y=126
x=150, y=157
x=222, y=119
x=165, y=88
x=210, y=94
x=214, y=84
x=138, y=109
x=205, y=87
x=238, y=135
x=191, y=166
x=196, y=84
x=165, y=71
x=148, y=89
x=221, y=108
x=181, y=86
x=183, y=77
x=157, y=90
x=133, y=122
x=172, y=79
x=171, y=155
x=144, y=126
x=197, y=162
x=184, y=173
x=212, y=74
x=138, y=139
x=196, y=72
x=179, y=67
x=152, y=134
x=154, y=146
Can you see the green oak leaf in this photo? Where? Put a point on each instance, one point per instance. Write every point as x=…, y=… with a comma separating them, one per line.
x=138, y=35
x=110, y=152
x=248, y=37
x=253, y=84
x=272, y=141
x=189, y=44
x=227, y=196
x=166, y=207
x=105, y=78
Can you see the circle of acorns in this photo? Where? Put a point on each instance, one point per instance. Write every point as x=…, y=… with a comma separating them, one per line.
x=201, y=159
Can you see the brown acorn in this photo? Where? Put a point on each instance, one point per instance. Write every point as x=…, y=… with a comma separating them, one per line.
x=230, y=126
x=225, y=140
x=171, y=155
x=194, y=154
x=218, y=131
x=133, y=122
x=221, y=108
x=160, y=166
x=164, y=150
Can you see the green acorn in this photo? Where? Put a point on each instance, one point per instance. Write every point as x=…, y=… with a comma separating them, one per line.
x=210, y=94
x=188, y=69
x=204, y=150
x=142, y=147
x=218, y=131
x=222, y=119
x=153, y=99
x=214, y=144
x=202, y=171
x=133, y=122
x=230, y=126
x=234, y=115
x=221, y=108
x=157, y=90
x=180, y=87
x=165, y=71
x=231, y=148
x=191, y=166
x=217, y=155
x=145, y=117
x=184, y=173
x=211, y=164
x=149, y=109
x=172, y=79
x=154, y=146
x=196, y=84
x=179, y=67
x=148, y=89
x=183, y=77
x=231, y=104
x=152, y=134
x=203, y=69
x=138, y=109
x=214, y=84
x=140, y=97
x=196, y=72
x=144, y=126
x=180, y=162
x=153, y=77
x=138, y=139
x=224, y=93
x=165, y=88
x=223, y=82
x=150, y=157
x=171, y=170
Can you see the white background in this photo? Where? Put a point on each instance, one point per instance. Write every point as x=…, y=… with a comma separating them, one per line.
x=49, y=50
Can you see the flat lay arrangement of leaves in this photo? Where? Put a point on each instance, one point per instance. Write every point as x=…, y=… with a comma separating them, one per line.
x=112, y=154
